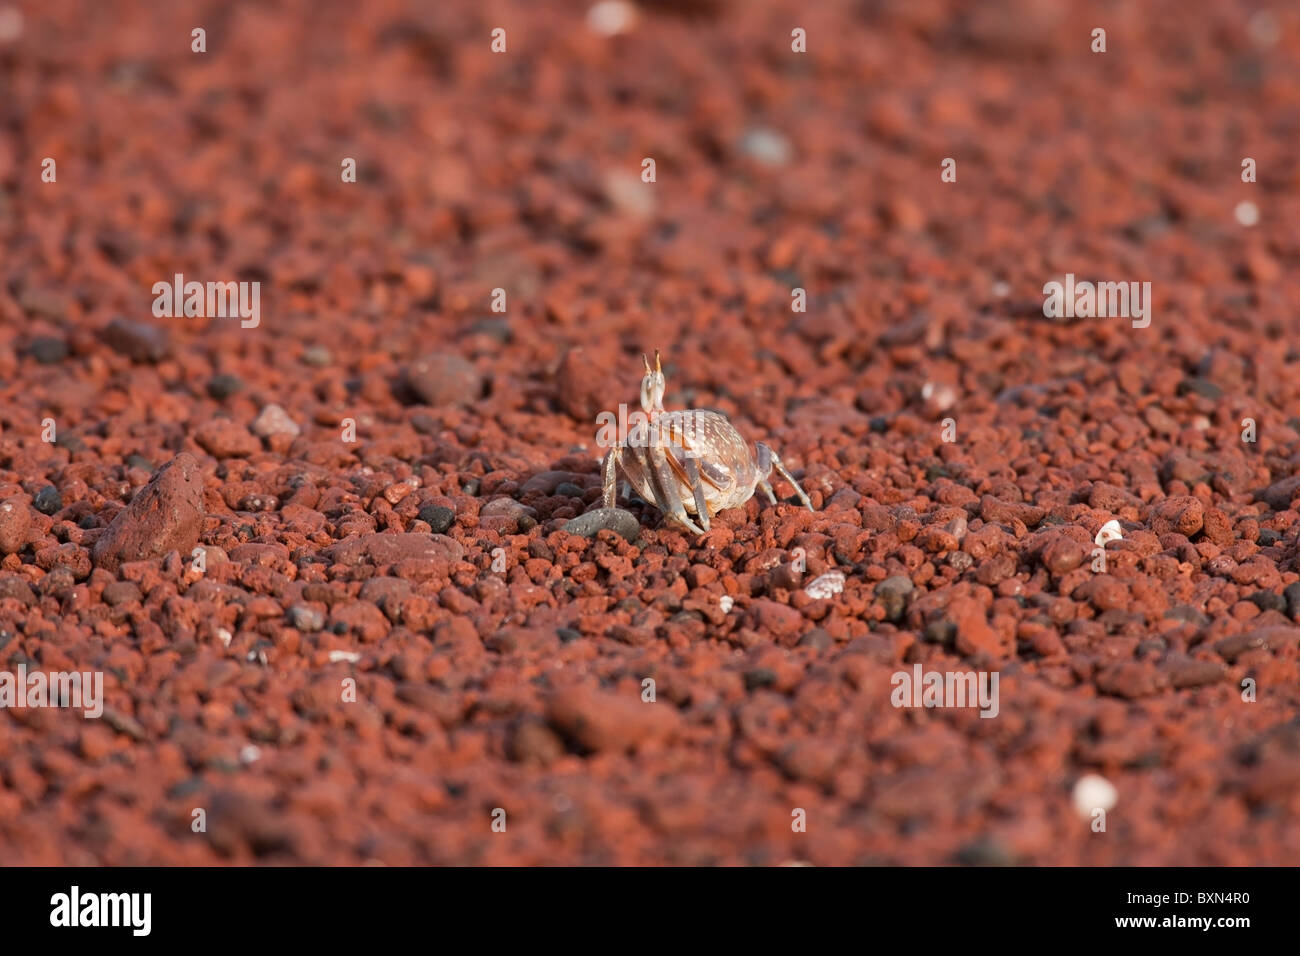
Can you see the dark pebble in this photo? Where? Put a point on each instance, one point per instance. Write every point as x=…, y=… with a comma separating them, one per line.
x=47, y=349
x=48, y=501
x=1200, y=386
x=1291, y=594
x=1184, y=612
x=138, y=341
x=223, y=386
x=984, y=852
x=898, y=584
x=817, y=639
x=940, y=632
x=894, y=604
x=567, y=489
x=437, y=517
x=613, y=519
x=1268, y=601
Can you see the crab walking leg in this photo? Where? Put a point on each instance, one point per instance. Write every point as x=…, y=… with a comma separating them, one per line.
x=767, y=460
x=668, y=497
x=692, y=467
x=611, y=480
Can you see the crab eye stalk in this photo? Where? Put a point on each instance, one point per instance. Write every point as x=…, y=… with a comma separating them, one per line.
x=652, y=386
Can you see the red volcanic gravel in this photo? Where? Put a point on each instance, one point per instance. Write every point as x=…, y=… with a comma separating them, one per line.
x=320, y=555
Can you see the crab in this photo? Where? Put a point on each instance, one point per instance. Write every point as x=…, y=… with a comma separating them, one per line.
x=689, y=462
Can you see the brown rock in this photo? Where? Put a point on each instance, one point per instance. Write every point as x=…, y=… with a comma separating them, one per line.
x=1193, y=672
x=166, y=515
x=383, y=549
x=1007, y=512
x=1131, y=680
x=1063, y=554
x=602, y=721
x=15, y=524
x=222, y=438
x=1184, y=515
x=532, y=741
x=974, y=633
x=138, y=341
x=444, y=379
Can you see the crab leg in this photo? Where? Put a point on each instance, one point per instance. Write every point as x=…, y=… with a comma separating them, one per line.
x=692, y=466
x=767, y=460
x=610, y=478
x=667, y=489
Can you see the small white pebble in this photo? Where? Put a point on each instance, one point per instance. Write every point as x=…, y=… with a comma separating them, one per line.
x=767, y=146
x=1093, y=792
x=628, y=194
x=274, y=420
x=11, y=24
x=1262, y=28
x=1110, y=531
x=350, y=656
x=726, y=603
x=224, y=636
x=611, y=17
x=940, y=397
x=825, y=586
x=1247, y=213
x=1001, y=289
x=250, y=754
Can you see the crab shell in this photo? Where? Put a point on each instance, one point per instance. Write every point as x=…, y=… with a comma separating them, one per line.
x=727, y=469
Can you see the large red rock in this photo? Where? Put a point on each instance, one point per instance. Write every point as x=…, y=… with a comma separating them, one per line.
x=166, y=515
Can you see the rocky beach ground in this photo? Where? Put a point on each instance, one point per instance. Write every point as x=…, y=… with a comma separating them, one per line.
x=323, y=561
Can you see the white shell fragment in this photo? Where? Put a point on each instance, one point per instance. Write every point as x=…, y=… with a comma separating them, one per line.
x=350, y=656
x=1110, y=531
x=726, y=603
x=609, y=18
x=825, y=586
x=1093, y=792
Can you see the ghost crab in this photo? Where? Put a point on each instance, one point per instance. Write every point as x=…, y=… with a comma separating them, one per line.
x=689, y=462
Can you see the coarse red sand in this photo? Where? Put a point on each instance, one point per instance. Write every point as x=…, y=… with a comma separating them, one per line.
x=357, y=674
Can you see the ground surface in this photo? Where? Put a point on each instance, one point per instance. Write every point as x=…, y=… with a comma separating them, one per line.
x=521, y=689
